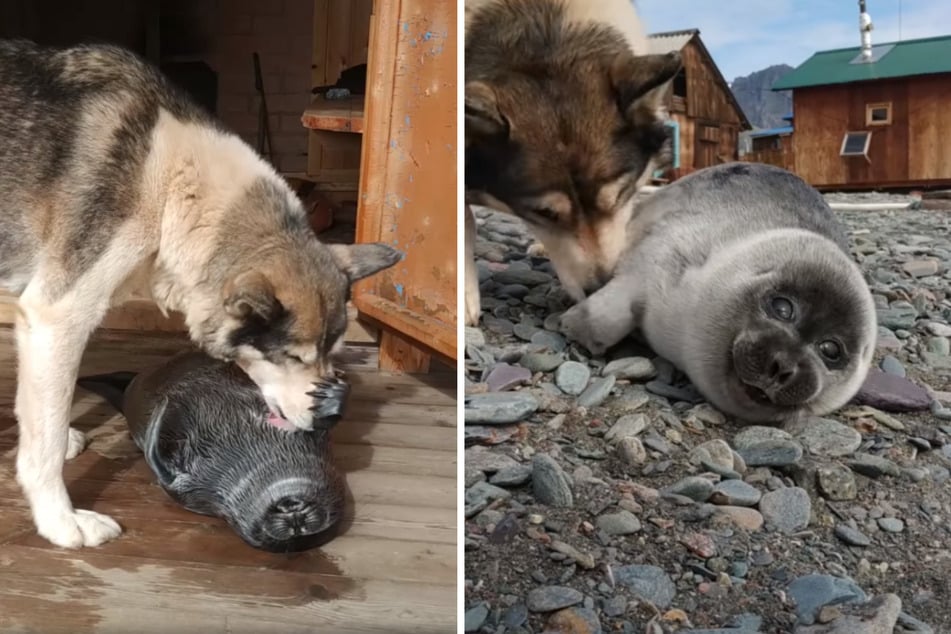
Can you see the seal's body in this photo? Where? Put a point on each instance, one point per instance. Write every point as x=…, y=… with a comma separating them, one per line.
x=741, y=276
x=205, y=430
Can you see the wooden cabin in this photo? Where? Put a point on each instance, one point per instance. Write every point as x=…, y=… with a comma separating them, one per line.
x=706, y=118
x=877, y=123
x=390, y=176
x=772, y=146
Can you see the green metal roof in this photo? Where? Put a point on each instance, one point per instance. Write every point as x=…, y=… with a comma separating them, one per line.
x=893, y=59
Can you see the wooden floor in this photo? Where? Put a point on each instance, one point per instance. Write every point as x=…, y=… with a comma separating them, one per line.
x=392, y=570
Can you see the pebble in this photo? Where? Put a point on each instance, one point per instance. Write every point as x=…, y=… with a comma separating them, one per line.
x=550, y=484
x=596, y=392
x=744, y=517
x=620, y=523
x=631, y=451
x=475, y=617
x=474, y=337
x=771, y=453
x=873, y=466
x=891, y=524
x=673, y=392
x=630, y=368
x=899, y=314
x=827, y=437
x=547, y=340
x=878, y=616
x=939, y=411
x=787, y=510
x=852, y=536
x=482, y=459
x=648, y=583
x=756, y=434
x=525, y=277
x=693, y=487
x=735, y=493
x=515, y=616
x=505, y=377
x=700, y=544
x=574, y=621
x=716, y=452
x=939, y=345
x=525, y=331
x=891, y=365
x=512, y=476
x=572, y=377
x=812, y=592
x=625, y=427
x=939, y=329
x=551, y=598
x=836, y=482
x=892, y=393
x=541, y=361
x=496, y=408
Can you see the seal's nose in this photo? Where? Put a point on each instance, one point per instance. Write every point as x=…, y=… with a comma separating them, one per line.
x=292, y=517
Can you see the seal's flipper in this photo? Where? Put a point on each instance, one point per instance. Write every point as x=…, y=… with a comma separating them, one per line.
x=110, y=386
x=150, y=446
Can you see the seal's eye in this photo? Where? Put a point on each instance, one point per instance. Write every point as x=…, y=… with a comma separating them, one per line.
x=782, y=309
x=830, y=350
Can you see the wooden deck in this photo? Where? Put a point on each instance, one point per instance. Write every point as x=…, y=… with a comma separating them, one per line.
x=392, y=570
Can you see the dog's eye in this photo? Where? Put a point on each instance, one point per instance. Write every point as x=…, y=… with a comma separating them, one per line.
x=830, y=350
x=782, y=309
x=294, y=357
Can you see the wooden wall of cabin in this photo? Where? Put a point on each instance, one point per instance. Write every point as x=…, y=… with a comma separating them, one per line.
x=908, y=151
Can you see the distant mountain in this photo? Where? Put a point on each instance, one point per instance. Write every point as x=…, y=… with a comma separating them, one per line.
x=763, y=107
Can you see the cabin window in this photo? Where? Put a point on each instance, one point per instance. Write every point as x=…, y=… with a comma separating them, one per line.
x=878, y=114
x=855, y=144
x=680, y=84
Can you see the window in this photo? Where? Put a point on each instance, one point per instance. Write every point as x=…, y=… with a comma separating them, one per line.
x=855, y=144
x=680, y=83
x=878, y=114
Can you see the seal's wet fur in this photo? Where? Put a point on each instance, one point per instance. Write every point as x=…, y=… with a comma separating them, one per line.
x=114, y=185
x=202, y=425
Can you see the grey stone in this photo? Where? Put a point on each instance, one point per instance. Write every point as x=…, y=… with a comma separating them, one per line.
x=921, y=268
x=836, y=483
x=812, y=592
x=938, y=329
x=486, y=460
x=787, y=510
x=755, y=434
x=892, y=393
x=672, y=392
x=899, y=315
x=524, y=331
x=908, y=623
x=620, y=523
x=648, y=583
x=550, y=483
x=551, y=598
x=541, y=361
x=626, y=426
x=512, y=476
x=693, y=487
x=891, y=524
x=475, y=617
x=715, y=452
x=495, y=408
x=474, y=337
x=515, y=616
x=771, y=453
x=887, y=340
x=891, y=365
x=939, y=346
x=484, y=492
x=878, y=616
x=596, y=392
x=630, y=368
x=735, y=493
x=827, y=437
x=525, y=277
x=505, y=377
x=852, y=536
x=546, y=340
x=631, y=451
x=874, y=466
x=572, y=377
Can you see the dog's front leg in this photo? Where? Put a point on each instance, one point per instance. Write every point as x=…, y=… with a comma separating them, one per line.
x=49, y=346
x=473, y=306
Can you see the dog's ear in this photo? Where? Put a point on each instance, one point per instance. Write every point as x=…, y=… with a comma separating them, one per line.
x=363, y=260
x=483, y=117
x=641, y=84
x=248, y=294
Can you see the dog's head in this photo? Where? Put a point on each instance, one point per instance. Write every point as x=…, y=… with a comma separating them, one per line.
x=565, y=143
x=286, y=319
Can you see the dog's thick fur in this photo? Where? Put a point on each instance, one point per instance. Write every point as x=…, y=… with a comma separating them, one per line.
x=564, y=121
x=113, y=183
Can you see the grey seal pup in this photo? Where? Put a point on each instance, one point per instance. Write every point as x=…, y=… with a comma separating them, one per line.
x=208, y=435
x=741, y=276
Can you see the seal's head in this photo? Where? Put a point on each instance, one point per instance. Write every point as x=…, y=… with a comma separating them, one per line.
x=794, y=335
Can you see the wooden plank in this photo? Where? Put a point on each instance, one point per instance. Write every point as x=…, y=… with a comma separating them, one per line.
x=318, y=66
x=335, y=115
x=438, y=336
x=399, y=354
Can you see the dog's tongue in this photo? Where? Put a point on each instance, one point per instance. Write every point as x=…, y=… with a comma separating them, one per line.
x=279, y=422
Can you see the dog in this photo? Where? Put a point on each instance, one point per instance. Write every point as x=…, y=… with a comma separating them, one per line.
x=564, y=121
x=114, y=184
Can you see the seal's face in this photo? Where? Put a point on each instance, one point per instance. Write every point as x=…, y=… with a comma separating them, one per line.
x=802, y=342
x=287, y=319
x=300, y=518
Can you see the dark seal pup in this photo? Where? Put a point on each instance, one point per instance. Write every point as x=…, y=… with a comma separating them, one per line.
x=208, y=436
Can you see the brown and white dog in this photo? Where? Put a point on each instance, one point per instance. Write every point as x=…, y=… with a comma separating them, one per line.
x=112, y=183
x=564, y=116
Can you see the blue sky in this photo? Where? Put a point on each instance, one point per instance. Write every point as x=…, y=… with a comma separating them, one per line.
x=748, y=35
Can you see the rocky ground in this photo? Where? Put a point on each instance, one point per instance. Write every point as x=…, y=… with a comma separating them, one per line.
x=604, y=495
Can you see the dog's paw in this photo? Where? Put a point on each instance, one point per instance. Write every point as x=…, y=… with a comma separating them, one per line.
x=473, y=305
x=330, y=398
x=576, y=326
x=78, y=528
x=75, y=444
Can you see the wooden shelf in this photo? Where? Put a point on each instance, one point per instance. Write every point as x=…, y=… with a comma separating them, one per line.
x=335, y=115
